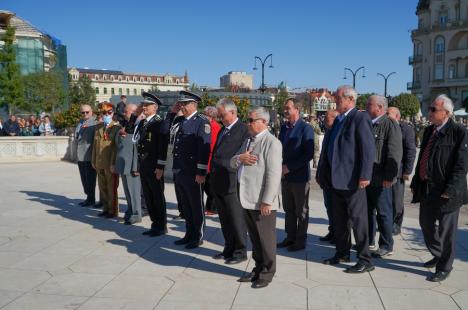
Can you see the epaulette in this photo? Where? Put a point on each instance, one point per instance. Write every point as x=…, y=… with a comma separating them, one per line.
x=202, y=116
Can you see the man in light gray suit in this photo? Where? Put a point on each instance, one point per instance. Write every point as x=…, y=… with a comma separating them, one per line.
x=84, y=137
x=259, y=164
x=126, y=164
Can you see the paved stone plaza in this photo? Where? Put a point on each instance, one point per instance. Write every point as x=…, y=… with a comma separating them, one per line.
x=57, y=255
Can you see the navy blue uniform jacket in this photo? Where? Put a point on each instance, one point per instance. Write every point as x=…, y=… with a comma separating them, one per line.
x=298, y=151
x=353, y=155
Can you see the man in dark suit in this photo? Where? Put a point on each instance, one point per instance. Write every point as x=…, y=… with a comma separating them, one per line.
x=224, y=183
x=152, y=153
x=297, y=138
x=120, y=109
x=439, y=184
x=345, y=169
x=406, y=167
x=388, y=154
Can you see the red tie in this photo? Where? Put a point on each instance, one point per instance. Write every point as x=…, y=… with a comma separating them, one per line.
x=423, y=164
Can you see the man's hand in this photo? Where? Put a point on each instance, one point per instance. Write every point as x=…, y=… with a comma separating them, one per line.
x=247, y=158
x=387, y=184
x=135, y=173
x=285, y=170
x=406, y=177
x=265, y=209
x=159, y=173
x=122, y=132
x=363, y=183
x=445, y=195
x=200, y=179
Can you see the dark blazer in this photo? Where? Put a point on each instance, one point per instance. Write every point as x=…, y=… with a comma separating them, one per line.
x=409, y=149
x=447, y=167
x=353, y=156
x=223, y=176
x=152, y=146
x=298, y=151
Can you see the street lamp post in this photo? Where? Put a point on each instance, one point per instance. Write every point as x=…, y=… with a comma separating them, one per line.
x=262, y=87
x=385, y=79
x=354, y=74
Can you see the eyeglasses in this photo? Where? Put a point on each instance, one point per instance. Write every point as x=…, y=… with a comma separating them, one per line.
x=85, y=112
x=251, y=120
x=434, y=109
x=110, y=112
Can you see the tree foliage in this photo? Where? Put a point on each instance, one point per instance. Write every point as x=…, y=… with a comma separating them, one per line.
x=11, y=86
x=242, y=104
x=43, y=92
x=280, y=99
x=361, y=102
x=408, y=104
x=81, y=92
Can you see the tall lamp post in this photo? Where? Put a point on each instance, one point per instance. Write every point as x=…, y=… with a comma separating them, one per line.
x=354, y=74
x=262, y=87
x=385, y=79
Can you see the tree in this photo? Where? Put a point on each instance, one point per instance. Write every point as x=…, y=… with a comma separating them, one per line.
x=361, y=102
x=43, y=92
x=408, y=104
x=280, y=99
x=243, y=106
x=207, y=100
x=81, y=92
x=11, y=86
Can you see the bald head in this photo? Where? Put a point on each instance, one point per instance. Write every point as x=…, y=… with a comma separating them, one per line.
x=129, y=109
x=86, y=111
x=394, y=113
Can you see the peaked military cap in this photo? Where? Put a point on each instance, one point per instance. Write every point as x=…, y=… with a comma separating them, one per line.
x=149, y=99
x=186, y=96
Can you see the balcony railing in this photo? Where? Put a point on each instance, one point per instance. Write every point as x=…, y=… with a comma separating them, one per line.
x=413, y=85
x=449, y=25
x=414, y=59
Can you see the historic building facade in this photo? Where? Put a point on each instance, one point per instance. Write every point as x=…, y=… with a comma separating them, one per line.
x=108, y=83
x=440, y=57
x=237, y=78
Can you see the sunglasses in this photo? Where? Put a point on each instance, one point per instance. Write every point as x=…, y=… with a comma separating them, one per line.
x=251, y=120
x=85, y=112
x=434, y=109
x=108, y=112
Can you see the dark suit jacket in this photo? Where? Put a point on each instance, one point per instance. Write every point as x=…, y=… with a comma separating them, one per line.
x=447, y=168
x=409, y=149
x=223, y=177
x=152, y=146
x=298, y=151
x=353, y=155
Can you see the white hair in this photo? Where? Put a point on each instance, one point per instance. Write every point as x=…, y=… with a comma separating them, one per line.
x=261, y=112
x=227, y=104
x=448, y=103
x=211, y=111
x=348, y=91
x=380, y=100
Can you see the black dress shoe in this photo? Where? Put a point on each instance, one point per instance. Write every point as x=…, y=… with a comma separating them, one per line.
x=157, y=233
x=336, y=260
x=102, y=214
x=82, y=203
x=219, y=256
x=359, y=268
x=296, y=247
x=193, y=245
x=260, y=283
x=235, y=260
x=432, y=263
x=182, y=241
x=439, y=276
x=250, y=277
x=285, y=243
x=327, y=237
x=381, y=253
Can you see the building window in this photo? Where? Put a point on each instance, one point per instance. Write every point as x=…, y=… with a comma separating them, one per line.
x=439, y=45
x=96, y=77
x=120, y=91
x=177, y=81
x=158, y=80
x=134, y=79
x=105, y=90
x=97, y=90
x=134, y=92
x=120, y=78
x=443, y=19
x=128, y=91
x=439, y=58
x=451, y=72
x=104, y=77
x=112, y=77
x=112, y=91
x=419, y=50
x=142, y=79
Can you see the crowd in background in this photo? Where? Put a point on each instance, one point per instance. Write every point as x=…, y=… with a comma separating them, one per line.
x=30, y=126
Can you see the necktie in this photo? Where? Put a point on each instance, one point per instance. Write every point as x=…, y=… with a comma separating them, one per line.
x=222, y=134
x=423, y=164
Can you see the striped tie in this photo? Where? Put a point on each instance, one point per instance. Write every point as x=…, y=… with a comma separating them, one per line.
x=423, y=164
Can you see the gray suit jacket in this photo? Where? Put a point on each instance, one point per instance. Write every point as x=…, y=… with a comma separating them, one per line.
x=126, y=159
x=261, y=182
x=84, y=138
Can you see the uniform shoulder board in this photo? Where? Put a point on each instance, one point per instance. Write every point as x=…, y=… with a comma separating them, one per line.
x=157, y=117
x=202, y=116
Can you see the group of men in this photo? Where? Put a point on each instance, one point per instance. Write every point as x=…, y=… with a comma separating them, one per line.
x=360, y=170
x=366, y=159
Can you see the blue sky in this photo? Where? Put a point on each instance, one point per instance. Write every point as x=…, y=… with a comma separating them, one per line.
x=311, y=41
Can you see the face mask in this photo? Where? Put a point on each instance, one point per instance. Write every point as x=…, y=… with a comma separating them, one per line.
x=107, y=119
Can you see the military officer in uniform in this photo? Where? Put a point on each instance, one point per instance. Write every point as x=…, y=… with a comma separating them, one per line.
x=102, y=159
x=190, y=164
x=152, y=152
